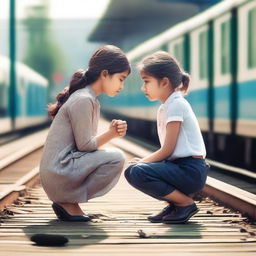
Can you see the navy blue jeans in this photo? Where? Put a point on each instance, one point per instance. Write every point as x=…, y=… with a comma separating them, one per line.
x=158, y=179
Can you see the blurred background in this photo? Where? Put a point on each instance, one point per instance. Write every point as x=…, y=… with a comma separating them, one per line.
x=42, y=42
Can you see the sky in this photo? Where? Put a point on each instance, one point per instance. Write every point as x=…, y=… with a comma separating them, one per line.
x=77, y=8
x=60, y=8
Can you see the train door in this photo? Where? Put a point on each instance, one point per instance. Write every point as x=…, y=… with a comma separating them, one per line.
x=222, y=79
x=246, y=122
x=246, y=82
x=199, y=65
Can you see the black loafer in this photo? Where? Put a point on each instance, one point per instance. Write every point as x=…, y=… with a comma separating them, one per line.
x=62, y=214
x=181, y=214
x=49, y=240
x=158, y=217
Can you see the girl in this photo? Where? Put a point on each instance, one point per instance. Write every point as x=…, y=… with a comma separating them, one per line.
x=178, y=168
x=73, y=169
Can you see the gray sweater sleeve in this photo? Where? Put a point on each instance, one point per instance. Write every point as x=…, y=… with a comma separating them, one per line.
x=81, y=113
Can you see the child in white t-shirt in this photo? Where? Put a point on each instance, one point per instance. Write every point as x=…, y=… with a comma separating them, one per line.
x=178, y=169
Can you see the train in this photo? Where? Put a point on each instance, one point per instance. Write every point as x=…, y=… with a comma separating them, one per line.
x=218, y=49
x=24, y=107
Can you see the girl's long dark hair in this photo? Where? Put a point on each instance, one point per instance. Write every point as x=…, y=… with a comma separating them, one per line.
x=160, y=64
x=108, y=57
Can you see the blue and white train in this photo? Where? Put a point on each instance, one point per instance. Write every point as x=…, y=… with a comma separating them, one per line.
x=218, y=49
x=28, y=102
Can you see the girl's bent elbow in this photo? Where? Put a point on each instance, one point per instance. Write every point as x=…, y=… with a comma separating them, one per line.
x=89, y=146
x=166, y=153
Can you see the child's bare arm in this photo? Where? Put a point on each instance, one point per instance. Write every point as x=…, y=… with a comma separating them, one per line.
x=172, y=133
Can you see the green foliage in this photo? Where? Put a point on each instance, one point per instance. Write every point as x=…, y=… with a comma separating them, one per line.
x=43, y=54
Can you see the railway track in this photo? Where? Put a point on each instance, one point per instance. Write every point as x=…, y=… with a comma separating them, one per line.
x=234, y=187
x=119, y=225
x=19, y=165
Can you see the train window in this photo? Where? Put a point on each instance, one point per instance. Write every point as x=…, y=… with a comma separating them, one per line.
x=178, y=52
x=252, y=38
x=176, y=49
x=203, y=60
x=164, y=47
x=225, y=47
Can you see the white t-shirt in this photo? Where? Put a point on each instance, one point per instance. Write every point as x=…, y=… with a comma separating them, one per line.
x=190, y=141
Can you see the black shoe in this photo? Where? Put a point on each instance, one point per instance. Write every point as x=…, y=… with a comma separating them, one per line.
x=181, y=214
x=62, y=214
x=49, y=240
x=158, y=217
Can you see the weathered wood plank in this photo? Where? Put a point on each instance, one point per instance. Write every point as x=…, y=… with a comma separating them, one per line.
x=114, y=230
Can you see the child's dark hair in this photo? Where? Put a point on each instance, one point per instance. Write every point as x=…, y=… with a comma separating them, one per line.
x=160, y=64
x=108, y=57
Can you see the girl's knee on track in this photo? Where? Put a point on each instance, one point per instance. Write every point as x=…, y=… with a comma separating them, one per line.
x=117, y=155
x=113, y=155
x=135, y=174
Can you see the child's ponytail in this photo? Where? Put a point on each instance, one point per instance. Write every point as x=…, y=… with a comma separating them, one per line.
x=78, y=81
x=61, y=98
x=185, y=81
